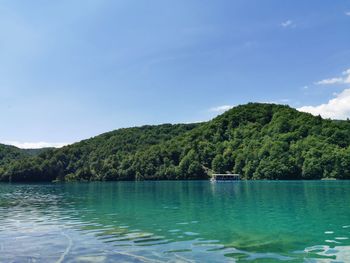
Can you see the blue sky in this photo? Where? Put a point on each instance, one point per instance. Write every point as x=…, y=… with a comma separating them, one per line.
x=70, y=70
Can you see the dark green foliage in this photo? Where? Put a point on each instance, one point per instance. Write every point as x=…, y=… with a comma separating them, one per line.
x=259, y=141
x=9, y=153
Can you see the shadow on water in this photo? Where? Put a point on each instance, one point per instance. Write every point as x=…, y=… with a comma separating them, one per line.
x=184, y=220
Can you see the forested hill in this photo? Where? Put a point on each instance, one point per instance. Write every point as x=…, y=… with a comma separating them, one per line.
x=9, y=153
x=258, y=141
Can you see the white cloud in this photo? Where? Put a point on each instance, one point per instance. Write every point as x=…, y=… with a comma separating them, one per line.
x=288, y=23
x=329, y=81
x=346, y=72
x=35, y=145
x=347, y=80
x=190, y=122
x=336, y=108
x=347, y=76
x=347, y=13
x=221, y=108
x=336, y=80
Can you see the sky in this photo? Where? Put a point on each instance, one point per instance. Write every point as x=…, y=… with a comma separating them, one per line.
x=70, y=70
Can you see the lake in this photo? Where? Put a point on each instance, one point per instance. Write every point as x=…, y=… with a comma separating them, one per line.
x=176, y=221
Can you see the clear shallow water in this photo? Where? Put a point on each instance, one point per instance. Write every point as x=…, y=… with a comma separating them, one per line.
x=176, y=222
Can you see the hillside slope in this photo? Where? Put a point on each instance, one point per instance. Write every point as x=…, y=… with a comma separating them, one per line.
x=9, y=153
x=259, y=141
x=93, y=159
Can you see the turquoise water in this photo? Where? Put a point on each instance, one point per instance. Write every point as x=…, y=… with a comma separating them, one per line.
x=184, y=221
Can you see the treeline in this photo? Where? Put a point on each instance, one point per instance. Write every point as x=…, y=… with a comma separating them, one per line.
x=9, y=153
x=258, y=141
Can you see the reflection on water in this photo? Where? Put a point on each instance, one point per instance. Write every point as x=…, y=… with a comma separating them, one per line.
x=175, y=222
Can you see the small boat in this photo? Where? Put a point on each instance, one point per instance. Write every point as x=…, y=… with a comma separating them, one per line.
x=225, y=177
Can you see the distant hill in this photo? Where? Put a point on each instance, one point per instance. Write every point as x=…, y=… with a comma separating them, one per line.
x=35, y=152
x=8, y=153
x=258, y=141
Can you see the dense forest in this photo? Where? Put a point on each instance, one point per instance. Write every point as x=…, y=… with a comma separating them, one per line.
x=258, y=141
x=10, y=153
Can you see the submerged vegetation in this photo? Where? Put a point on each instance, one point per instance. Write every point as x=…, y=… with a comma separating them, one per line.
x=258, y=141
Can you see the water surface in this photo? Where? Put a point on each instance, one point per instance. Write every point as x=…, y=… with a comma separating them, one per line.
x=186, y=221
